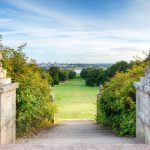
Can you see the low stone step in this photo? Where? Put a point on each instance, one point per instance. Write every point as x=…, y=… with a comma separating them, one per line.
x=75, y=147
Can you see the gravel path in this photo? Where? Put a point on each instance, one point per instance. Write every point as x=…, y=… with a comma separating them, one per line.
x=77, y=135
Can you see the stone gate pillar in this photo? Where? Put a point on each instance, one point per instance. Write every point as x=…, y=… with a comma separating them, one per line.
x=7, y=111
x=143, y=108
x=7, y=106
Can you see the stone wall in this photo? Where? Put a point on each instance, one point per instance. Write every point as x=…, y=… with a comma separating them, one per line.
x=143, y=108
x=7, y=111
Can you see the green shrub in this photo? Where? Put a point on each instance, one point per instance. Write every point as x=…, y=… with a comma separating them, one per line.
x=54, y=73
x=66, y=74
x=59, y=74
x=84, y=72
x=35, y=108
x=116, y=107
x=92, y=78
x=71, y=74
x=120, y=66
x=63, y=75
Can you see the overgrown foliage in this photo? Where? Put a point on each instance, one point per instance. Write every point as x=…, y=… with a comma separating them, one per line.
x=35, y=108
x=54, y=73
x=120, y=66
x=116, y=107
x=99, y=76
x=84, y=72
x=71, y=74
x=92, y=78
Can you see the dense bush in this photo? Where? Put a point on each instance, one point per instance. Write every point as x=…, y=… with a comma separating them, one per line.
x=91, y=75
x=54, y=73
x=71, y=74
x=120, y=66
x=35, y=108
x=94, y=76
x=116, y=107
x=84, y=72
x=61, y=75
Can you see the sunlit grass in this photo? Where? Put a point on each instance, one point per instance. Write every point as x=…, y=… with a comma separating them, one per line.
x=75, y=100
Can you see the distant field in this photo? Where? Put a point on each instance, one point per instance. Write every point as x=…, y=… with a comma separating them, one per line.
x=75, y=100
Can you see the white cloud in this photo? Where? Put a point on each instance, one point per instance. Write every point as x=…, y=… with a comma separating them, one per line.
x=73, y=39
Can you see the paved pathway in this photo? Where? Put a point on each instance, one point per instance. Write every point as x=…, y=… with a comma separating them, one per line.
x=78, y=132
x=77, y=135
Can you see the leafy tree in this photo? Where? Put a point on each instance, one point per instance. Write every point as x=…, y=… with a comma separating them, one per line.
x=63, y=75
x=54, y=72
x=99, y=76
x=71, y=74
x=35, y=108
x=92, y=78
x=116, y=106
x=84, y=72
x=112, y=70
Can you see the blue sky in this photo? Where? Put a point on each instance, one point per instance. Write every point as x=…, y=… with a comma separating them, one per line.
x=77, y=31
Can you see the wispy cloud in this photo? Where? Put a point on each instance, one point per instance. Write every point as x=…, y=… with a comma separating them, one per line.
x=54, y=35
x=43, y=11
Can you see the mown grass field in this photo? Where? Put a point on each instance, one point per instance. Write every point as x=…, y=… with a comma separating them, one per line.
x=75, y=100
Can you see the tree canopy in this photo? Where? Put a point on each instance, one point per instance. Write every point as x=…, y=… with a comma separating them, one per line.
x=61, y=75
x=116, y=106
x=99, y=76
x=35, y=108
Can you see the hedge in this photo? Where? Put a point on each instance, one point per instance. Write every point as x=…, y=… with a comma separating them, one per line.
x=116, y=107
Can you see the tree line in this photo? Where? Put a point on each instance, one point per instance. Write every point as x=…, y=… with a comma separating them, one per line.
x=58, y=74
x=97, y=76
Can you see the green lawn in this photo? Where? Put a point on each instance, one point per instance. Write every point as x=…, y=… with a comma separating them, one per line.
x=75, y=100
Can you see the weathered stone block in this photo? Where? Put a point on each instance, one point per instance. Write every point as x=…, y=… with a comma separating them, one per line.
x=143, y=108
x=7, y=111
x=147, y=134
x=140, y=131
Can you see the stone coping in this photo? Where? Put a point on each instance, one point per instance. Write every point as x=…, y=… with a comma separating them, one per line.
x=8, y=87
x=142, y=87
